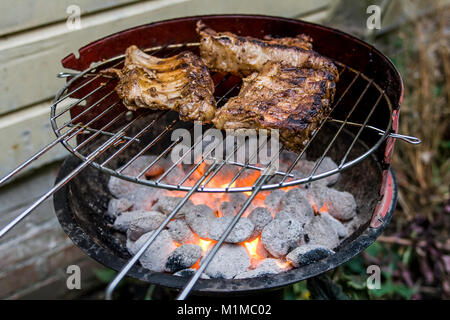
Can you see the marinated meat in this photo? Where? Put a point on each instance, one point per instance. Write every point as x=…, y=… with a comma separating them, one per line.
x=180, y=83
x=227, y=52
x=282, y=97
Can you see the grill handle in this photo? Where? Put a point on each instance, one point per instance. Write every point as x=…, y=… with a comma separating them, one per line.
x=409, y=139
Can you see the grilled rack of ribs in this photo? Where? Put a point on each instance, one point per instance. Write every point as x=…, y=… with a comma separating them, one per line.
x=180, y=83
x=227, y=52
x=282, y=97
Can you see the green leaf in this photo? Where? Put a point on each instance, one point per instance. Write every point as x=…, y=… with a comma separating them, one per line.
x=149, y=293
x=105, y=275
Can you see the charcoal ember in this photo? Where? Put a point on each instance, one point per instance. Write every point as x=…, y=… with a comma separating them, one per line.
x=238, y=200
x=183, y=257
x=157, y=169
x=297, y=196
x=341, y=204
x=281, y=236
x=316, y=192
x=131, y=246
x=229, y=260
x=180, y=231
x=336, y=224
x=174, y=176
x=260, y=217
x=287, y=158
x=145, y=197
x=120, y=188
x=360, y=219
x=241, y=231
x=199, y=218
x=308, y=253
x=326, y=165
x=273, y=200
x=304, y=168
x=296, y=206
x=189, y=273
x=261, y=253
x=156, y=255
x=265, y=267
x=124, y=220
x=166, y=205
x=227, y=209
x=321, y=232
x=143, y=224
x=117, y=206
x=138, y=165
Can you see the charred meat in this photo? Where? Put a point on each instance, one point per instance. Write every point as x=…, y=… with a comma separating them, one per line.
x=282, y=97
x=227, y=52
x=180, y=83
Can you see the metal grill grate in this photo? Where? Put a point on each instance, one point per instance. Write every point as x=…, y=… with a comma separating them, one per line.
x=103, y=88
x=88, y=108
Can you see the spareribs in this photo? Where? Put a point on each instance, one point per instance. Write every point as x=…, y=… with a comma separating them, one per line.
x=180, y=83
x=291, y=100
x=230, y=53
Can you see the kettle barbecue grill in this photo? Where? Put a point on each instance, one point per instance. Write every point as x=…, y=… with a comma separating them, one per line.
x=104, y=138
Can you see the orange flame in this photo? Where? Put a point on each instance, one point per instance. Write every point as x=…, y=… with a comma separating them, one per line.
x=324, y=207
x=252, y=248
x=204, y=244
x=283, y=265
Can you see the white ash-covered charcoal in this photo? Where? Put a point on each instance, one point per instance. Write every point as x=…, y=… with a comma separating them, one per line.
x=321, y=232
x=287, y=158
x=341, y=204
x=183, y=257
x=229, y=260
x=145, y=197
x=307, y=254
x=304, y=168
x=166, y=205
x=131, y=246
x=265, y=267
x=227, y=209
x=281, y=236
x=158, y=168
x=316, y=193
x=120, y=188
x=123, y=220
x=117, y=206
x=143, y=224
x=156, y=255
x=174, y=176
x=199, y=219
x=238, y=200
x=297, y=196
x=260, y=217
x=274, y=199
x=296, y=206
x=180, y=231
x=241, y=231
x=142, y=162
x=360, y=219
x=189, y=273
x=138, y=165
x=336, y=224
